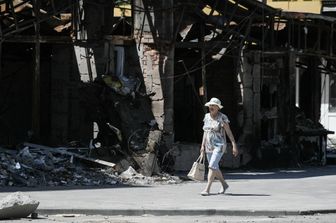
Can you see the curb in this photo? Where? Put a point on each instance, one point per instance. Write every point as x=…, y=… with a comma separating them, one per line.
x=180, y=212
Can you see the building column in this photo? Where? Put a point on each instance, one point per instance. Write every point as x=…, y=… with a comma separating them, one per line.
x=153, y=32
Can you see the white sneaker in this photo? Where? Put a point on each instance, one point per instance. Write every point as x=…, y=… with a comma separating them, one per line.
x=205, y=193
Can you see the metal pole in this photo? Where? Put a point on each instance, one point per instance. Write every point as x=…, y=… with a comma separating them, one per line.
x=291, y=118
x=1, y=40
x=36, y=76
x=203, y=62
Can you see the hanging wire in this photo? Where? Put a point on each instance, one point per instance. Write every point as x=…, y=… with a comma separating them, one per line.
x=194, y=68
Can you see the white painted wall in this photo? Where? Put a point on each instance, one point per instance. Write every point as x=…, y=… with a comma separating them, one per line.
x=328, y=118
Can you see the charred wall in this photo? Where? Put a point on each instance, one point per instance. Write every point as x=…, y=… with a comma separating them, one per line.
x=16, y=88
x=68, y=121
x=17, y=69
x=310, y=88
x=188, y=103
x=61, y=116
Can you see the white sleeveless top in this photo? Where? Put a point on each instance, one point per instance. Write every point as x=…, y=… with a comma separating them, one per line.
x=214, y=133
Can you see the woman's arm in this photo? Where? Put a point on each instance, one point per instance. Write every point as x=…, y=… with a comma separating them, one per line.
x=230, y=135
x=203, y=141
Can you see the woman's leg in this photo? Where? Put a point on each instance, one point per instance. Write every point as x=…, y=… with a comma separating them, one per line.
x=220, y=177
x=214, y=164
x=211, y=175
x=211, y=178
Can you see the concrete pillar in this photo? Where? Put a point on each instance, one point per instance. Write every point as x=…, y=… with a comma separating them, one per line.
x=256, y=97
x=247, y=80
x=251, y=101
x=153, y=32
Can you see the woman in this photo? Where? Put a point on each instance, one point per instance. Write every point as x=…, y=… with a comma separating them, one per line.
x=216, y=124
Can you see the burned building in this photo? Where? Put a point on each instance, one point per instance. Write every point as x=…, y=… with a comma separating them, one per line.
x=264, y=64
x=74, y=72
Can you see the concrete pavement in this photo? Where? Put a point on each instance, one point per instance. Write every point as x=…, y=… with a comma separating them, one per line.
x=280, y=192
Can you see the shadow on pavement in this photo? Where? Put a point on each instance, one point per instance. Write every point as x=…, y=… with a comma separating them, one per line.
x=59, y=188
x=282, y=173
x=247, y=195
x=238, y=195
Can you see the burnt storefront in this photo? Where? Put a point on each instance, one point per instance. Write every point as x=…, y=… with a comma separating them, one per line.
x=128, y=80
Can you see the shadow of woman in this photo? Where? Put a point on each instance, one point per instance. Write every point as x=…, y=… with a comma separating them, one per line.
x=248, y=195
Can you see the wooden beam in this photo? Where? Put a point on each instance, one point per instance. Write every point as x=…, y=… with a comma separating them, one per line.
x=200, y=45
x=116, y=40
x=152, y=28
x=177, y=29
x=120, y=40
x=63, y=151
x=317, y=54
x=12, y=9
x=203, y=63
x=42, y=39
x=299, y=15
x=28, y=23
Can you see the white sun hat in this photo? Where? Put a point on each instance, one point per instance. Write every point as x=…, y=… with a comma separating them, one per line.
x=214, y=101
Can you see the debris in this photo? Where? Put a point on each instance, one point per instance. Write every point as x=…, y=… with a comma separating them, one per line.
x=39, y=167
x=17, y=166
x=122, y=85
x=63, y=151
x=154, y=139
x=132, y=177
x=123, y=165
x=136, y=141
x=46, y=166
x=129, y=173
x=148, y=163
x=34, y=215
x=115, y=130
x=17, y=205
x=312, y=140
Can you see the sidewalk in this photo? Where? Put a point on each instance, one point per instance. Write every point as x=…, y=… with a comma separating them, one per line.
x=285, y=192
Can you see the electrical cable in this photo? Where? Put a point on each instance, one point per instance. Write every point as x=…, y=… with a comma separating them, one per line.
x=188, y=72
x=193, y=69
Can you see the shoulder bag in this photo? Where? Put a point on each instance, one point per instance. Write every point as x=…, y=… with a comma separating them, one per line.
x=197, y=171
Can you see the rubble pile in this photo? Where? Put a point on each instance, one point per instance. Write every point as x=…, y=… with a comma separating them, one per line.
x=34, y=167
x=304, y=124
x=331, y=149
x=42, y=167
x=132, y=177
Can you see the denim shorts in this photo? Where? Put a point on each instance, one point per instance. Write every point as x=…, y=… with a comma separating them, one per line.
x=214, y=158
